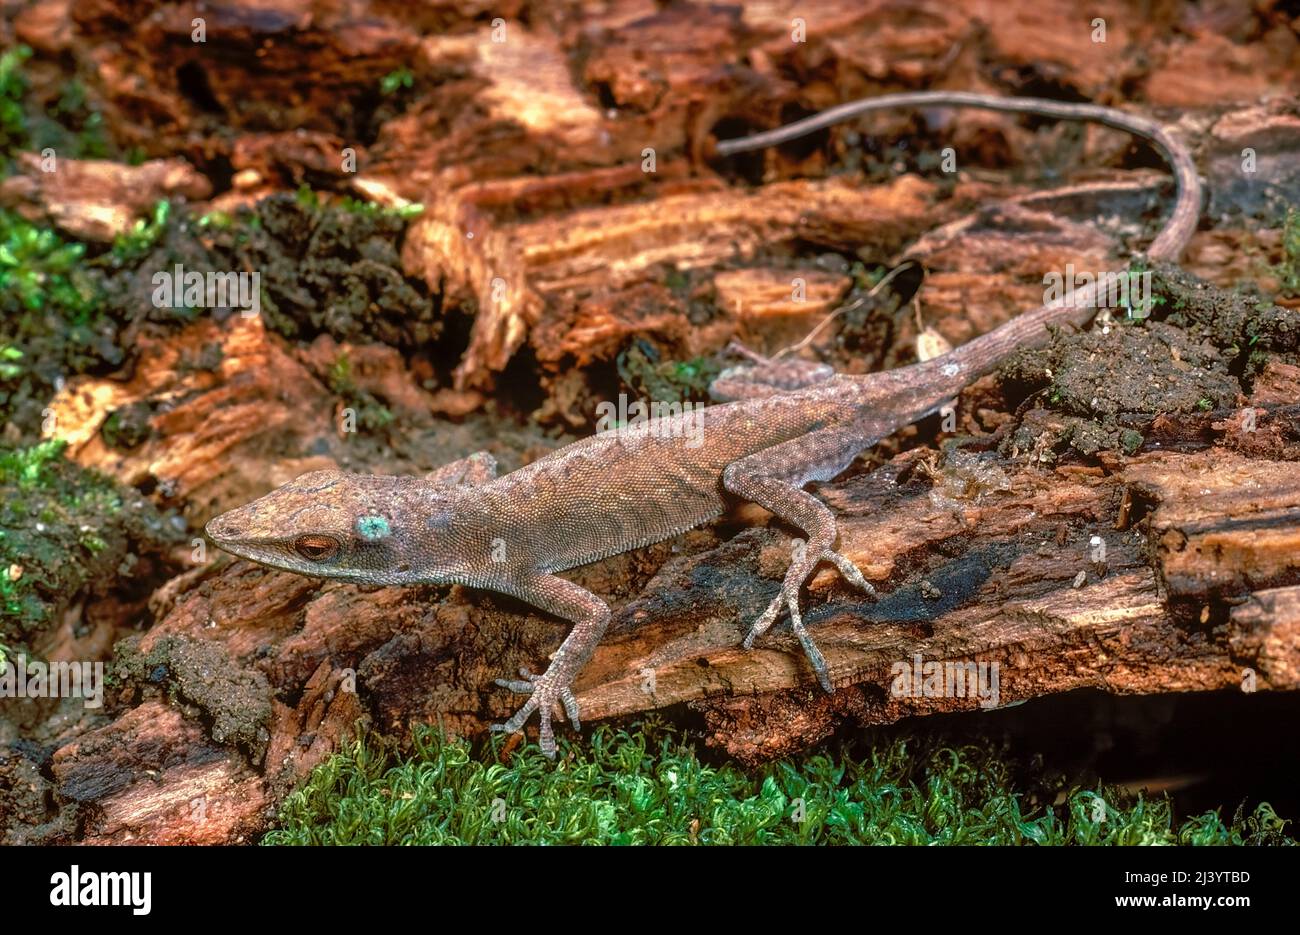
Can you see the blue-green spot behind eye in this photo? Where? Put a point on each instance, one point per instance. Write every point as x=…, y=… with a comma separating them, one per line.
x=373, y=527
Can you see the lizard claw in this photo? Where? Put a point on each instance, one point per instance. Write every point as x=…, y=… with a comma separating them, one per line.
x=543, y=693
x=789, y=596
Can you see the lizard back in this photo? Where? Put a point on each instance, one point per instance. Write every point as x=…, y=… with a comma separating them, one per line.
x=633, y=486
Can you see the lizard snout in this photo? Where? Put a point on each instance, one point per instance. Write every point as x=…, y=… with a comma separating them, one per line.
x=220, y=527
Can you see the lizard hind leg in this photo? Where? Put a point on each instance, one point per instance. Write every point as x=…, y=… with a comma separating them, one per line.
x=774, y=479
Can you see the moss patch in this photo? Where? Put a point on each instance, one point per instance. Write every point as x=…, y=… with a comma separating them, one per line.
x=1107, y=386
x=1100, y=391
x=66, y=531
x=1245, y=325
x=648, y=786
x=332, y=268
x=63, y=118
x=649, y=377
x=371, y=414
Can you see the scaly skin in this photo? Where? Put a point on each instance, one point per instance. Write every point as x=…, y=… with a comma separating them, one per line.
x=790, y=424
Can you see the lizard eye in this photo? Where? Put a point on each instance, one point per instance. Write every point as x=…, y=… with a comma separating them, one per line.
x=316, y=548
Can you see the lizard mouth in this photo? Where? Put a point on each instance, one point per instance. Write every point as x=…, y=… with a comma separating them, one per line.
x=247, y=550
x=229, y=538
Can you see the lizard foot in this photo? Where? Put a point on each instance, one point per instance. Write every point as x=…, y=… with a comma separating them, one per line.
x=789, y=597
x=544, y=691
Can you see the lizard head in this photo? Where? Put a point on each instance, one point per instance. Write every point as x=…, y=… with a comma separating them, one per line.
x=331, y=524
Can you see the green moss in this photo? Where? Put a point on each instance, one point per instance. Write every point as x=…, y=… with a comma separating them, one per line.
x=396, y=80
x=137, y=243
x=13, y=92
x=39, y=270
x=647, y=786
x=369, y=208
x=64, y=529
x=76, y=127
x=28, y=468
x=1130, y=441
x=865, y=279
x=1238, y=319
x=1140, y=310
x=10, y=362
x=64, y=305
x=372, y=414
x=220, y=220
x=1289, y=269
x=235, y=700
x=668, y=381
x=51, y=323
x=326, y=269
x=68, y=123
x=340, y=376
x=307, y=198
x=33, y=501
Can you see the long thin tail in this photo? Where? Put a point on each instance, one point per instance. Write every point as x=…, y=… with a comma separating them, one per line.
x=959, y=367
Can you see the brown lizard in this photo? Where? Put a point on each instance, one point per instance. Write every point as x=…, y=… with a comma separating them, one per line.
x=788, y=425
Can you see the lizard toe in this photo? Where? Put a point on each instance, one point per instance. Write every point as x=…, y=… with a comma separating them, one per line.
x=570, y=707
x=519, y=688
x=764, y=622
x=520, y=718
x=525, y=686
x=546, y=738
x=849, y=571
x=789, y=599
x=815, y=657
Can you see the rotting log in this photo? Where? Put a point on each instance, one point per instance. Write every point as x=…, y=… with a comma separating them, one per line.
x=94, y=199
x=1197, y=589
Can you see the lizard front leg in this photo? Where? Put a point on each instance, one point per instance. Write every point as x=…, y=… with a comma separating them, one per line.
x=590, y=616
x=774, y=478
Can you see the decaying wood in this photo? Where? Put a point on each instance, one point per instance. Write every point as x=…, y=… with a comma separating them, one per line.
x=154, y=776
x=214, y=431
x=1012, y=577
x=94, y=199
